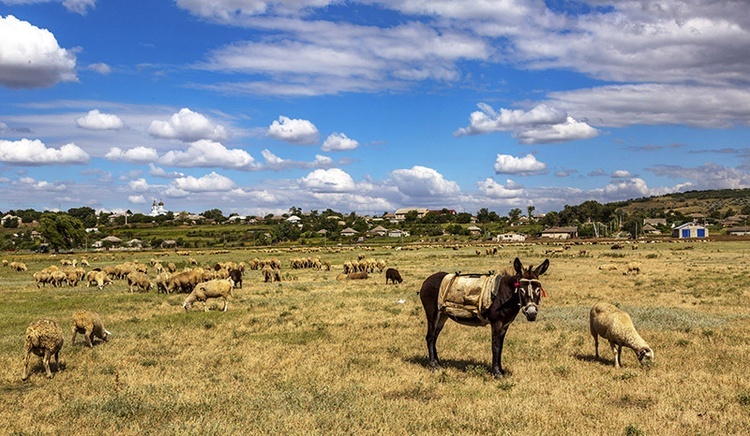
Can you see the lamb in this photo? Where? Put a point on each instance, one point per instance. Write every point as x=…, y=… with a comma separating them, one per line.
x=43, y=338
x=90, y=325
x=616, y=326
x=218, y=288
x=393, y=275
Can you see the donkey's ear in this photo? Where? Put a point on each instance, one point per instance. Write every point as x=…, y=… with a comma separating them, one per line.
x=542, y=268
x=518, y=266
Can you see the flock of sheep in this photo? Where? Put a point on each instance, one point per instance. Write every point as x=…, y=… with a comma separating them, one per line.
x=44, y=337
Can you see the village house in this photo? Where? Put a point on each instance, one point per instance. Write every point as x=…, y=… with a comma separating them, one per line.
x=560, y=233
x=349, y=232
x=510, y=237
x=401, y=213
x=690, y=230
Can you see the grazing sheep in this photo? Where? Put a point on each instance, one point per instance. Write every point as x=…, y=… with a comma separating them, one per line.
x=359, y=275
x=42, y=278
x=98, y=278
x=236, y=276
x=616, y=326
x=139, y=281
x=633, y=268
x=271, y=274
x=90, y=325
x=184, y=281
x=18, y=266
x=393, y=275
x=161, y=280
x=43, y=338
x=218, y=288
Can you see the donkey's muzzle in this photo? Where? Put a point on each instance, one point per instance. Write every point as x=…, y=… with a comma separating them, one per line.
x=530, y=312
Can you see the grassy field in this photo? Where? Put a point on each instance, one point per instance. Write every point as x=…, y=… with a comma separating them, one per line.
x=312, y=355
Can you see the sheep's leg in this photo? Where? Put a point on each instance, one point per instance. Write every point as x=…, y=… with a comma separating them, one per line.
x=73, y=341
x=596, y=344
x=45, y=360
x=90, y=338
x=57, y=360
x=226, y=303
x=26, y=366
x=616, y=349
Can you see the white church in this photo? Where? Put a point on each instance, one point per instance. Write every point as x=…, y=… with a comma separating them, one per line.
x=157, y=208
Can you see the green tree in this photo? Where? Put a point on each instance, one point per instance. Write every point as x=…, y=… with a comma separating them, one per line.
x=214, y=214
x=530, y=209
x=86, y=214
x=463, y=218
x=62, y=230
x=514, y=215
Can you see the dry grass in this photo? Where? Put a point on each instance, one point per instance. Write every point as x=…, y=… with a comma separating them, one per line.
x=312, y=355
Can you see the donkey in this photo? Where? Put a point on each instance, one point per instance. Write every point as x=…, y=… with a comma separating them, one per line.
x=521, y=291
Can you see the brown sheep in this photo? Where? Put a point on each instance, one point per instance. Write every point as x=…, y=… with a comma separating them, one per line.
x=393, y=275
x=139, y=281
x=90, y=325
x=45, y=339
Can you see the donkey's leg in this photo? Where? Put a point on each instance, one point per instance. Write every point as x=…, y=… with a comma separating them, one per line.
x=498, y=339
x=433, y=331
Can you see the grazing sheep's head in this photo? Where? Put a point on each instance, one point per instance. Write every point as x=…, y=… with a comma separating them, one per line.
x=646, y=356
x=106, y=335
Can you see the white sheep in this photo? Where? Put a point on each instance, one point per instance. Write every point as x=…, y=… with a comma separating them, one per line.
x=90, y=325
x=217, y=288
x=43, y=338
x=616, y=326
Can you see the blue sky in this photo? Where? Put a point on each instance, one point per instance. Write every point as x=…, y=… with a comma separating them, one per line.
x=254, y=106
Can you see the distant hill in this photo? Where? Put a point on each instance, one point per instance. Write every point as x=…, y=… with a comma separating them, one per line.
x=721, y=201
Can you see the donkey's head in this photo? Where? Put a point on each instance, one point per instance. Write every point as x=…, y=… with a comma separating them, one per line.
x=529, y=288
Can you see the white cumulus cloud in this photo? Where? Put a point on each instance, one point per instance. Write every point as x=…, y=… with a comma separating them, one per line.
x=95, y=120
x=205, y=153
x=208, y=183
x=339, y=142
x=138, y=185
x=34, y=152
x=187, y=126
x=136, y=155
x=492, y=189
x=570, y=130
x=507, y=164
x=421, y=181
x=136, y=199
x=300, y=132
x=541, y=125
x=30, y=57
x=330, y=180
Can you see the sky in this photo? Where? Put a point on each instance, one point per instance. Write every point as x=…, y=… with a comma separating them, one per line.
x=254, y=107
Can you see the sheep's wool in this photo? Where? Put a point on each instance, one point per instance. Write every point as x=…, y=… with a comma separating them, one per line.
x=467, y=296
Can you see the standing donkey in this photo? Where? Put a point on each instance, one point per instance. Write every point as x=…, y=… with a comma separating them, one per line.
x=503, y=295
